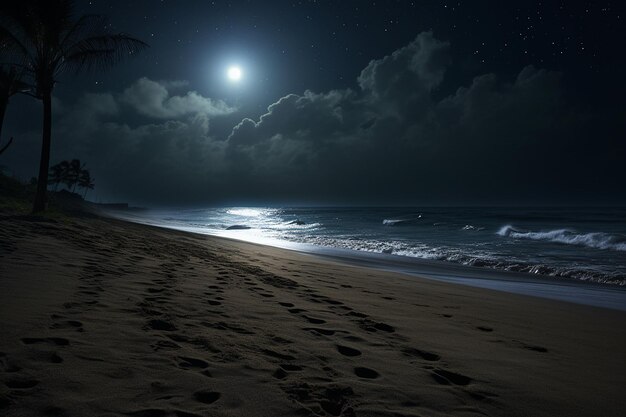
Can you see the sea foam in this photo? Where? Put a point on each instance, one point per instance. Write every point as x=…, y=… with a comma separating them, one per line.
x=398, y=222
x=597, y=240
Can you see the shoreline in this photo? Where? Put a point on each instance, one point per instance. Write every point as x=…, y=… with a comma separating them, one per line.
x=595, y=294
x=105, y=317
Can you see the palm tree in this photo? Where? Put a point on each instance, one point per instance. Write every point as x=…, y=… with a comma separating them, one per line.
x=48, y=41
x=73, y=173
x=10, y=84
x=58, y=173
x=85, y=182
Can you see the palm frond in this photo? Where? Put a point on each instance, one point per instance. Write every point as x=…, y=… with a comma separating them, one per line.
x=21, y=20
x=102, y=51
x=12, y=46
x=43, y=37
x=86, y=26
x=11, y=81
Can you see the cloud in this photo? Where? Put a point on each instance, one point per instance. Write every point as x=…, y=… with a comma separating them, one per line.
x=153, y=99
x=396, y=138
x=394, y=91
x=407, y=76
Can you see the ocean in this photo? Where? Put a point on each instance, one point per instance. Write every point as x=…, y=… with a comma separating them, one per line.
x=571, y=244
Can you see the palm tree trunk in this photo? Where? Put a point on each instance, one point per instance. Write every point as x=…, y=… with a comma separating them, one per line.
x=4, y=148
x=44, y=163
x=4, y=101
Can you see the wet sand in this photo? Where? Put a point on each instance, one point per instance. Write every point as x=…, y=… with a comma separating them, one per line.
x=103, y=317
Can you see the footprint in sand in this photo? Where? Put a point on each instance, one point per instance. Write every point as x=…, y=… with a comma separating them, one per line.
x=51, y=357
x=290, y=367
x=68, y=324
x=57, y=341
x=286, y=304
x=21, y=383
x=384, y=327
x=190, y=363
x=158, y=412
x=371, y=326
x=280, y=374
x=366, y=373
x=429, y=356
x=540, y=349
x=332, y=302
x=8, y=366
x=281, y=340
x=313, y=320
x=157, y=300
x=278, y=355
x=165, y=344
x=225, y=326
x=523, y=345
x=206, y=397
x=348, y=351
x=444, y=377
x=324, y=332
x=158, y=324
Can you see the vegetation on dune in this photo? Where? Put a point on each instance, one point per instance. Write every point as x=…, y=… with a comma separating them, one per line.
x=16, y=198
x=72, y=174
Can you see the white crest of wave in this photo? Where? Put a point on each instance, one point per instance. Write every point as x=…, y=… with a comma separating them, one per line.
x=596, y=240
x=405, y=219
x=471, y=227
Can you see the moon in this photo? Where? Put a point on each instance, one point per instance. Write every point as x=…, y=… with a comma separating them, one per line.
x=234, y=73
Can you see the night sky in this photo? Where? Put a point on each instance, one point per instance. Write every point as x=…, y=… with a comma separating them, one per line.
x=347, y=102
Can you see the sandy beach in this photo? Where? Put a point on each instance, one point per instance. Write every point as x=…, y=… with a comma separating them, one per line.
x=106, y=318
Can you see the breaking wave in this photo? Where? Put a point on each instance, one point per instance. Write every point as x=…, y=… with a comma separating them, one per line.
x=400, y=222
x=480, y=238
x=597, y=240
x=471, y=227
x=467, y=257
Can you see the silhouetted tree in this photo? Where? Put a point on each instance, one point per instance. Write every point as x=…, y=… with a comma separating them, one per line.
x=58, y=173
x=73, y=174
x=47, y=40
x=85, y=181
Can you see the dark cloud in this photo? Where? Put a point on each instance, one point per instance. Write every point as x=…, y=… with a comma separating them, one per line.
x=405, y=79
x=393, y=140
x=397, y=138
